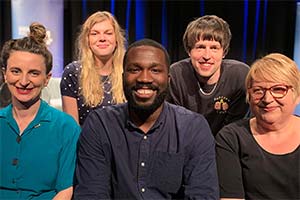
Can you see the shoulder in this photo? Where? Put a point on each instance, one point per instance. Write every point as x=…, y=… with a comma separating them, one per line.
x=234, y=72
x=4, y=111
x=182, y=111
x=109, y=114
x=191, y=127
x=235, y=65
x=181, y=64
x=235, y=133
x=185, y=117
x=73, y=67
x=59, y=118
x=181, y=70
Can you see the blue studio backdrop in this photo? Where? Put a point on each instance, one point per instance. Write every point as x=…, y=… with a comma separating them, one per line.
x=50, y=14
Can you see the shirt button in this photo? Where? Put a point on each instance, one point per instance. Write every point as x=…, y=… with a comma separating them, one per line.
x=18, y=139
x=15, y=161
x=145, y=137
x=142, y=164
x=143, y=190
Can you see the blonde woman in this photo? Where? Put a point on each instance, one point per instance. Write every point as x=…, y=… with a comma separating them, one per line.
x=259, y=158
x=95, y=80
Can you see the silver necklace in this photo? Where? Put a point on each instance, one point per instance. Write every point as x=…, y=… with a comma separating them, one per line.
x=104, y=82
x=207, y=93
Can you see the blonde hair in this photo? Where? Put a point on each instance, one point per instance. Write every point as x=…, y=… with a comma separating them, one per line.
x=89, y=81
x=275, y=67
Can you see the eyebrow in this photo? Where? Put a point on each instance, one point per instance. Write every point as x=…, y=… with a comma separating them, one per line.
x=152, y=64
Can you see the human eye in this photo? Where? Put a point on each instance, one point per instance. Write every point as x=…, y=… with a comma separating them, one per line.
x=156, y=70
x=15, y=71
x=133, y=70
x=93, y=33
x=257, y=90
x=35, y=73
x=279, y=89
x=215, y=48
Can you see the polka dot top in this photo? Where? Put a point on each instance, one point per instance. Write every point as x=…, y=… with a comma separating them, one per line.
x=69, y=86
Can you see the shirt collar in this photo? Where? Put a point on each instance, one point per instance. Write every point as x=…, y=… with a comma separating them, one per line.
x=156, y=125
x=42, y=115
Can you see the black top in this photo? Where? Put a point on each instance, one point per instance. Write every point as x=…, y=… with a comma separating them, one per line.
x=247, y=171
x=224, y=105
x=117, y=160
x=69, y=86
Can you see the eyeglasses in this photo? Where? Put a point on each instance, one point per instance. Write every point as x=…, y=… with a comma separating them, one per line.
x=277, y=91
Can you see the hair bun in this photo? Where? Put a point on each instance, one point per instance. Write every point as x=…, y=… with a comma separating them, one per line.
x=38, y=32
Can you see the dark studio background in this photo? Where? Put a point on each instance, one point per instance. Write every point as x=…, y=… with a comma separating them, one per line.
x=258, y=27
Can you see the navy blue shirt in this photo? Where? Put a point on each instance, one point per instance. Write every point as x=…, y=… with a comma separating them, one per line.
x=174, y=159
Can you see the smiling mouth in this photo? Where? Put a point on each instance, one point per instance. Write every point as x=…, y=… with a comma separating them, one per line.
x=24, y=90
x=102, y=46
x=205, y=64
x=144, y=93
x=268, y=109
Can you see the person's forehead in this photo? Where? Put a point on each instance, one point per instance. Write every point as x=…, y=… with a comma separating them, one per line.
x=145, y=47
x=145, y=55
x=145, y=51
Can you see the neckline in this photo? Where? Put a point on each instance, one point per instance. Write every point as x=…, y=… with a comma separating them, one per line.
x=265, y=150
x=207, y=93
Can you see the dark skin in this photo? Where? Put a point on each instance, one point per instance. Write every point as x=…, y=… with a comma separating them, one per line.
x=145, y=83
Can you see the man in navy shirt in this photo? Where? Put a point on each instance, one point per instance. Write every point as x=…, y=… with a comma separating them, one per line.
x=146, y=148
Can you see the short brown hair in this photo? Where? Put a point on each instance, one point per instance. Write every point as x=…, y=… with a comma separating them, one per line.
x=208, y=27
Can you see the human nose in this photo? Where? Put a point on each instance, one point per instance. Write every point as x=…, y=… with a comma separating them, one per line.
x=206, y=54
x=24, y=80
x=268, y=97
x=102, y=37
x=145, y=77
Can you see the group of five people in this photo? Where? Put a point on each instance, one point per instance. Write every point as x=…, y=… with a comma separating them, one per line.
x=132, y=142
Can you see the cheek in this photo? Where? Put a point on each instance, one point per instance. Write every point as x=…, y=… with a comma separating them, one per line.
x=128, y=80
x=253, y=103
x=194, y=55
x=218, y=57
x=10, y=78
x=91, y=41
x=163, y=81
x=113, y=42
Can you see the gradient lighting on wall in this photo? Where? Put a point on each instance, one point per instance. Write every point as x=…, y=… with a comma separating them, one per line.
x=139, y=20
x=297, y=46
x=50, y=14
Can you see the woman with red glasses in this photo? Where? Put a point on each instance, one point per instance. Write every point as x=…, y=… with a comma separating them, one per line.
x=259, y=158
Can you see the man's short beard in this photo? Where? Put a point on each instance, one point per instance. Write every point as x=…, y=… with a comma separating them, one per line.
x=145, y=111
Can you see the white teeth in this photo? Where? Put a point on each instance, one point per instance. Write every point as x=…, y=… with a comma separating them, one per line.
x=145, y=91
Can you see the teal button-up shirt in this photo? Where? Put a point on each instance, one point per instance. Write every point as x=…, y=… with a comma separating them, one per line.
x=40, y=162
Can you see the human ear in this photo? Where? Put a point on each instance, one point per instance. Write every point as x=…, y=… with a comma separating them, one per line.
x=47, y=79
